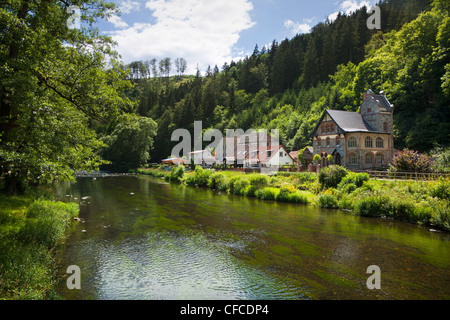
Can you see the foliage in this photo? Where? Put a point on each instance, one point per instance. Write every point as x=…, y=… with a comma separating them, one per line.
x=55, y=83
x=357, y=179
x=268, y=193
x=176, y=174
x=200, y=177
x=441, y=163
x=46, y=222
x=327, y=201
x=128, y=146
x=441, y=189
x=411, y=161
x=331, y=176
x=217, y=181
x=29, y=231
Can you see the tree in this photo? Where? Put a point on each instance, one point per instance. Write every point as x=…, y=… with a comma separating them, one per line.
x=180, y=65
x=54, y=82
x=165, y=66
x=128, y=146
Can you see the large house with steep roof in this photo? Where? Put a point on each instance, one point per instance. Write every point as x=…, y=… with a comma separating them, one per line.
x=357, y=141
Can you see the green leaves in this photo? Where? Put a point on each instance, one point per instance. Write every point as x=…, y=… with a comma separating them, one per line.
x=54, y=82
x=129, y=145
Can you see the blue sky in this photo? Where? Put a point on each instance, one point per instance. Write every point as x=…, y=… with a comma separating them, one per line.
x=210, y=32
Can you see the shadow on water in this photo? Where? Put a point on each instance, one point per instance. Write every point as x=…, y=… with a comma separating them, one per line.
x=142, y=238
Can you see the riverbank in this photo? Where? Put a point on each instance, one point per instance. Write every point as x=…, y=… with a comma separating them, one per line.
x=422, y=202
x=31, y=226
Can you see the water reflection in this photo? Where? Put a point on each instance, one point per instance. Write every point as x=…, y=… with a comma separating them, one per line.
x=146, y=239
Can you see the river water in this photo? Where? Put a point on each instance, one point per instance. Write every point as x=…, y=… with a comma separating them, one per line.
x=143, y=239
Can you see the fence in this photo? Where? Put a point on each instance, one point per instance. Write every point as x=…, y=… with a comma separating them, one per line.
x=405, y=175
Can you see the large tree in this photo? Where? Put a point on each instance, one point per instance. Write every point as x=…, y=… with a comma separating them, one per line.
x=54, y=82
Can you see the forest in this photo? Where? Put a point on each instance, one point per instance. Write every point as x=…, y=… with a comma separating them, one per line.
x=288, y=85
x=68, y=108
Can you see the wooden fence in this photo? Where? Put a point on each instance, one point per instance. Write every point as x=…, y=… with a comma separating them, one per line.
x=404, y=175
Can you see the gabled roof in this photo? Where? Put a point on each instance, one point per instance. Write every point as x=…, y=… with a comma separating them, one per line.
x=347, y=121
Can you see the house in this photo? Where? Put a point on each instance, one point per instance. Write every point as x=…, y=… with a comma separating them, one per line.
x=307, y=155
x=357, y=141
x=268, y=157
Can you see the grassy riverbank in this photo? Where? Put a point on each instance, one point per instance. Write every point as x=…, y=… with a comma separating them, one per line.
x=422, y=202
x=31, y=226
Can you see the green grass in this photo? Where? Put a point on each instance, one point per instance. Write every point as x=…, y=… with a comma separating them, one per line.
x=30, y=229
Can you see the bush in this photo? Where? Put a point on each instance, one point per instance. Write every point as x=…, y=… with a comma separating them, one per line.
x=239, y=186
x=250, y=191
x=267, y=193
x=287, y=195
x=356, y=179
x=441, y=189
x=176, y=174
x=259, y=181
x=331, y=176
x=199, y=178
x=216, y=180
x=411, y=161
x=372, y=206
x=327, y=201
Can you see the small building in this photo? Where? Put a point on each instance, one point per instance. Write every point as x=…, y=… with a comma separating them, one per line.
x=268, y=157
x=307, y=155
x=357, y=141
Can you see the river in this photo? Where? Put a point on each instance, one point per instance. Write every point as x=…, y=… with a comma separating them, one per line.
x=141, y=238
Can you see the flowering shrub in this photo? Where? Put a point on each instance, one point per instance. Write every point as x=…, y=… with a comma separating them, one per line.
x=411, y=161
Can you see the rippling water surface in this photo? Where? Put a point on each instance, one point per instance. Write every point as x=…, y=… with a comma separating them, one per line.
x=141, y=238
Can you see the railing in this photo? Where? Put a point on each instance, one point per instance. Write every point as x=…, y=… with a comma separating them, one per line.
x=404, y=175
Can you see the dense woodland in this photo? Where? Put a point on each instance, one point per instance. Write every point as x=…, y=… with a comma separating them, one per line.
x=67, y=102
x=288, y=85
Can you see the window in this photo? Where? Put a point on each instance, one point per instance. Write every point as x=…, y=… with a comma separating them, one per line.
x=328, y=141
x=379, y=159
x=352, y=142
x=369, y=110
x=385, y=127
x=319, y=142
x=337, y=142
x=369, y=142
x=254, y=154
x=369, y=158
x=269, y=153
x=353, y=159
x=380, y=142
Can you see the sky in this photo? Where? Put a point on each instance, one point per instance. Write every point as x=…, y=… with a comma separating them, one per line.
x=212, y=32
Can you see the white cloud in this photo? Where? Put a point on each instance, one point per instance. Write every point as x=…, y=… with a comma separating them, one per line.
x=298, y=28
x=128, y=6
x=118, y=22
x=347, y=7
x=201, y=31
